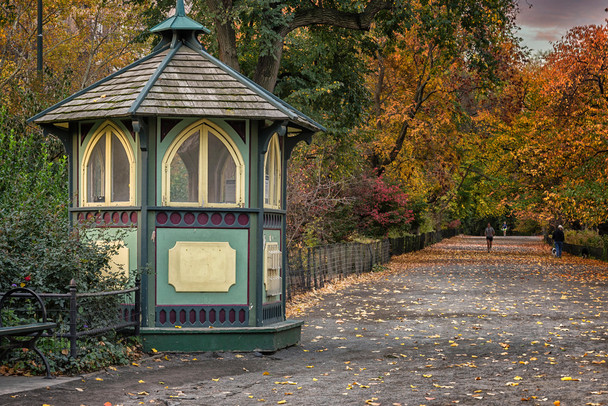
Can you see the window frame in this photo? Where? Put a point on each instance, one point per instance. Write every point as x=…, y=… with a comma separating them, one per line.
x=107, y=129
x=275, y=186
x=205, y=127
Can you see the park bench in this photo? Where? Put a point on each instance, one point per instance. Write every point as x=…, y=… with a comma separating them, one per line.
x=25, y=335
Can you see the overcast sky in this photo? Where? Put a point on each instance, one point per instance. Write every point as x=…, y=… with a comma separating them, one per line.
x=549, y=20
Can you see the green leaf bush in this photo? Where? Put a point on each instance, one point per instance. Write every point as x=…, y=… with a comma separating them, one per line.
x=585, y=238
x=41, y=250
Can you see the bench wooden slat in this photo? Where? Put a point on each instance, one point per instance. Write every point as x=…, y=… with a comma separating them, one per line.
x=26, y=328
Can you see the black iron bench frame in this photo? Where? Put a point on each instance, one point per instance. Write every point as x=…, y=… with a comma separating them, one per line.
x=33, y=330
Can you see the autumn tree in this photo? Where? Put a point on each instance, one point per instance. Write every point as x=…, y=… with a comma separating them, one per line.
x=83, y=41
x=576, y=74
x=251, y=34
x=546, y=134
x=443, y=40
x=426, y=93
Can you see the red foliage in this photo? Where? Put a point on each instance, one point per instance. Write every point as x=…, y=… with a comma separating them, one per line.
x=381, y=206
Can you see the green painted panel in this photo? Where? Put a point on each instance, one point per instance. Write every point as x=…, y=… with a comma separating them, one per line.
x=166, y=239
x=273, y=236
x=270, y=338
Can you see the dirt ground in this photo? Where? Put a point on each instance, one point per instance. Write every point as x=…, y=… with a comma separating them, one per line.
x=451, y=324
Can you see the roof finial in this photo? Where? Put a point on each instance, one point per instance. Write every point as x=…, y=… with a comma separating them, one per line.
x=179, y=27
x=180, y=9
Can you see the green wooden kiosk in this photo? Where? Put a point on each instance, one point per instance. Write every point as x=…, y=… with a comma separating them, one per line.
x=188, y=158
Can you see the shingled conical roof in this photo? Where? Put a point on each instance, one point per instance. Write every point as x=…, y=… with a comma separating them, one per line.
x=178, y=79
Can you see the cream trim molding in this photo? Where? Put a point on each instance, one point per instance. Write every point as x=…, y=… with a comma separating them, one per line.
x=107, y=128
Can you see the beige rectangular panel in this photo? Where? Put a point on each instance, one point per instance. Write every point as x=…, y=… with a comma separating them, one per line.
x=119, y=262
x=202, y=266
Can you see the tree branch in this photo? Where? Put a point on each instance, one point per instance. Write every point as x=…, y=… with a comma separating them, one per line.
x=267, y=69
x=328, y=16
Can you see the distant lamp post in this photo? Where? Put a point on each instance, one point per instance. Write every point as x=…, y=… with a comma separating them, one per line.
x=39, y=44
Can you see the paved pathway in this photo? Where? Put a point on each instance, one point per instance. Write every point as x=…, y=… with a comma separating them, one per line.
x=451, y=324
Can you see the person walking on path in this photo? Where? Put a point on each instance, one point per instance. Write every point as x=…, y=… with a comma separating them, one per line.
x=489, y=236
x=504, y=229
x=558, y=239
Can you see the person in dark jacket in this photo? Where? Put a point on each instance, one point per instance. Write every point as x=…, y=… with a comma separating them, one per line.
x=558, y=239
x=489, y=236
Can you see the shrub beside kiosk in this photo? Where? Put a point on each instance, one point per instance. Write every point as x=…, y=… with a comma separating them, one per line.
x=186, y=159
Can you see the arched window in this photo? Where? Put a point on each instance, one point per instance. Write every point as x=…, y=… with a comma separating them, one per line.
x=203, y=168
x=272, y=174
x=108, y=169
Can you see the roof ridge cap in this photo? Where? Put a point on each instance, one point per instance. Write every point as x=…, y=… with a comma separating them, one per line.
x=96, y=84
x=152, y=80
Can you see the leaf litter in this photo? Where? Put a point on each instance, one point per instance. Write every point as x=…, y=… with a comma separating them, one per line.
x=451, y=324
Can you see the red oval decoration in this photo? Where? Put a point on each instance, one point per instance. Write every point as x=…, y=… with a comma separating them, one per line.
x=229, y=219
x=175, y=218
x=243, y=219
x=203, y=219
x=189, y=218
x=216, y=219
x=161, y=218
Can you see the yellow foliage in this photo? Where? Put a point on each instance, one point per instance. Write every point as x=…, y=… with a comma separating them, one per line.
x=83, y=41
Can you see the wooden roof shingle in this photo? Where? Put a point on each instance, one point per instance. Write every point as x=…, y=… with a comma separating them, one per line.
x=179, y=79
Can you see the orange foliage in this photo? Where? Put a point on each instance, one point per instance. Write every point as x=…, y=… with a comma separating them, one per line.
x=555, y=145
x=83, y=41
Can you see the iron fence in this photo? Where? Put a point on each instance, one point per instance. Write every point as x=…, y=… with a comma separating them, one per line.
x=308, y=269
x=311, y=268
x=91, y=313
x=581, y=250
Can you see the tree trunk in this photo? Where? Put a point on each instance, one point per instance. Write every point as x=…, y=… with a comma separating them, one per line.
x=379, y=88
x=267, y=69
x=226, y=34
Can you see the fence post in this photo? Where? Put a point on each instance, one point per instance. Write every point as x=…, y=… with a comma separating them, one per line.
x=73, y=320
x=310, y=270
x=137, y=310
x=387, y=252
x=340, y=262
x=374, y=255
x=326, y=271
x=317, y=267
x=353, y=258
x=343, y=257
